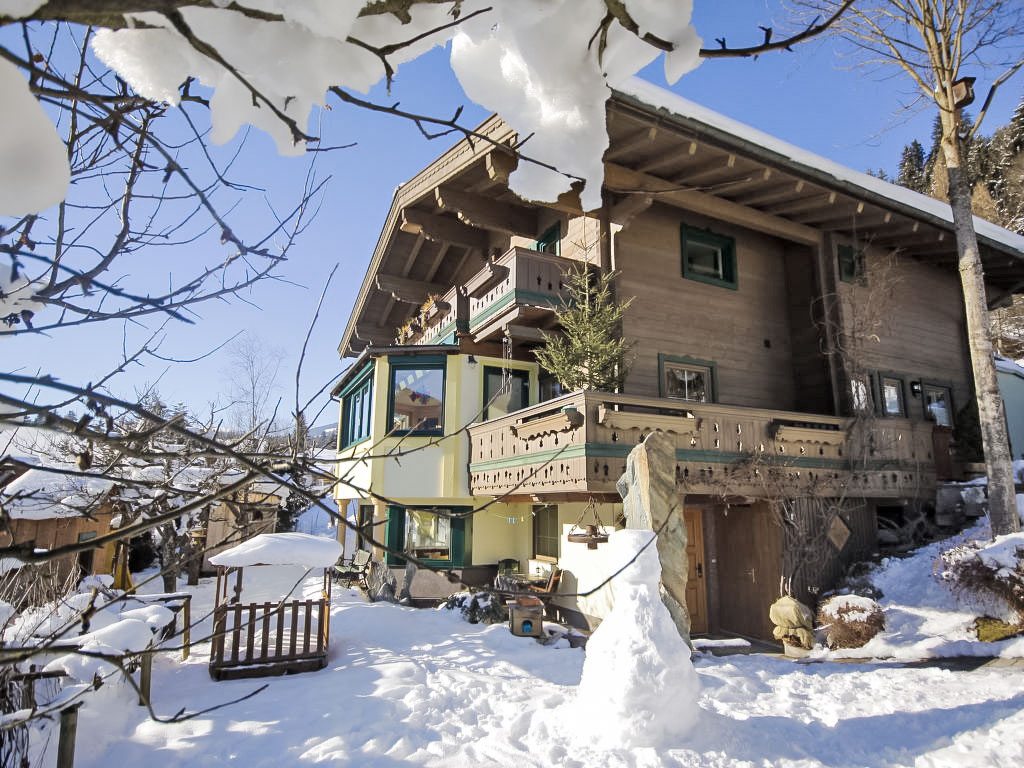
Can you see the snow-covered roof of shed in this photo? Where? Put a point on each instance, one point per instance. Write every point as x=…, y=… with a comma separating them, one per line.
x=1009, y=366
x=659, y=98
x=38, y=494
x=281, y=549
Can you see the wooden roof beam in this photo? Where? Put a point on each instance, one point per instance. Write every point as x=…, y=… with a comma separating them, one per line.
x=499, y=165
x=443, y=229
x=487, y=213
x=713, y=166
x=702, y=203
x=407, y=291
x=787, y=190
x=637, y=140
x=623, y=211
x=372, y=335
x=814, y=203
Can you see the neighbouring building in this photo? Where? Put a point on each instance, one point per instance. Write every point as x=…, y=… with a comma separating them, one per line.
x=797, y=331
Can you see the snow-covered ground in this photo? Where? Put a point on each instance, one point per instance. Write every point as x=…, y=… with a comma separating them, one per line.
x=423, y=687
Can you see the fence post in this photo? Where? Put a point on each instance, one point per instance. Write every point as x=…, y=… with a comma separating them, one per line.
x=145, y=677
x=186, y=630
x=66, y=742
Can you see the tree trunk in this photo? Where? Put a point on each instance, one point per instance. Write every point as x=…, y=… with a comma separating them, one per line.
x=998, y=463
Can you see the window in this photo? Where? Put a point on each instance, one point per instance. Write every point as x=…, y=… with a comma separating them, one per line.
x=546, y=535
x=938, y=404
x=860, y=393
x=851, y=264
x=708, y=257
x=438, y=540
x=550, y=241
x=549, y=386
x=364, y=526
x=501, y=396
x=356, y=408
x=416, y=396
x=893, y=403
x=684, y=378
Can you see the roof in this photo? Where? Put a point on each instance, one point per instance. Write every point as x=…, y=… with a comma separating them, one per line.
x=444, y=224
x=281, y=549
x=652, y=95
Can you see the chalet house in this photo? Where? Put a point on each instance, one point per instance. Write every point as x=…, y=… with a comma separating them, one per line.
x=797, y=331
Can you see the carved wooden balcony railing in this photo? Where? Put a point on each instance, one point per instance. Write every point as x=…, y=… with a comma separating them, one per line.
x=518, y=287
x=578, y=443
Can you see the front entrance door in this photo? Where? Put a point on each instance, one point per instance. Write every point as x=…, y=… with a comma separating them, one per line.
x=696, y=593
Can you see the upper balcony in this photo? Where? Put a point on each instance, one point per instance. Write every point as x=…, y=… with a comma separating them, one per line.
x=517, y=289
x=578, y=443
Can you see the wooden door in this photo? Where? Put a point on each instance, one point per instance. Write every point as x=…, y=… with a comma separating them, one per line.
x=696, y=593
x=749, y=546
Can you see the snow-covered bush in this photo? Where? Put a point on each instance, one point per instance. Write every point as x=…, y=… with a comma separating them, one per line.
x=477, y=607
x=993, y=573
x=850, y=621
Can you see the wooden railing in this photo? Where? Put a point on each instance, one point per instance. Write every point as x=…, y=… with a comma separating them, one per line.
x=520, y=279
x=578, y=443
x=269, y=633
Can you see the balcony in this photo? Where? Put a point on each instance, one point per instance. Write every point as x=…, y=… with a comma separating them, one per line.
x=578, y=443
x=518, y=288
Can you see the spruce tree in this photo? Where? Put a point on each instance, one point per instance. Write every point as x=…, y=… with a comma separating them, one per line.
x=912, y=172
x=590, y=353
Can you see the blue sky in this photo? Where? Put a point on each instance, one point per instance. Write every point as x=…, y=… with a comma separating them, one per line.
x=809, y=97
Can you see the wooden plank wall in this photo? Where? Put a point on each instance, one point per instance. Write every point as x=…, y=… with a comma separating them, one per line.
x=920, y=329
x=676, y=316
x=814, y=572
x=810, y=366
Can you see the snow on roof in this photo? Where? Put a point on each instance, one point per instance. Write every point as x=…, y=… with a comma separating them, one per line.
x=281, y=549
x=39, y=494
x=658, y=97
x=1004, y=365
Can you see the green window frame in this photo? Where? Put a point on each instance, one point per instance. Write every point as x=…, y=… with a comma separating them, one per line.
x=547, y=538
x=551, y=240
x=669, y=365
x=419, y=417
x=892, y=395
x=453, y=529
x=851, y=264
x=519, y=391
x=357, y=409
x=708, y=257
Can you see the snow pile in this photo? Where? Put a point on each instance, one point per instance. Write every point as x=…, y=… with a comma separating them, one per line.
x=924, y=616
x=1004, y=554
x=36, y=173
x=850, y=607
x=533, y=62
x=639, y=687
x=129, y=635
x=544, y=65
x=281, y=549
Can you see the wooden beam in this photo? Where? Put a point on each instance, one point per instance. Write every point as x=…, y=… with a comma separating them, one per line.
x=413, y=253
x=407, y=291
x=638, y=139
x=801, y=205
x=435, y=265
x=631, y=205
x=372, y=334
x=775, y=194
x=709, y=205
x=443, y=229
x=488, y=213
x=712, y=166
x=525, y=333
x=499, y=165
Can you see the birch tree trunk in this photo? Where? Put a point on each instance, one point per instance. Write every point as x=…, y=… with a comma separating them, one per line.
x=1002, y=503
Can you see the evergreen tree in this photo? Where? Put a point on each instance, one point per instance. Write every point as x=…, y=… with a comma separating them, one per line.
x=590, y=353
x=912, y=173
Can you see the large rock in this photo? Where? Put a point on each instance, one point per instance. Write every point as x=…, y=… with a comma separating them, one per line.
x=649, y=499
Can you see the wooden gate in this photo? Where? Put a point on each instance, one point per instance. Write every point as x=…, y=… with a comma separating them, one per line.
x=256, y=639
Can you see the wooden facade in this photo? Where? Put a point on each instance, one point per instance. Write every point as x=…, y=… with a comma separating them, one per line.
x=830, y=308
